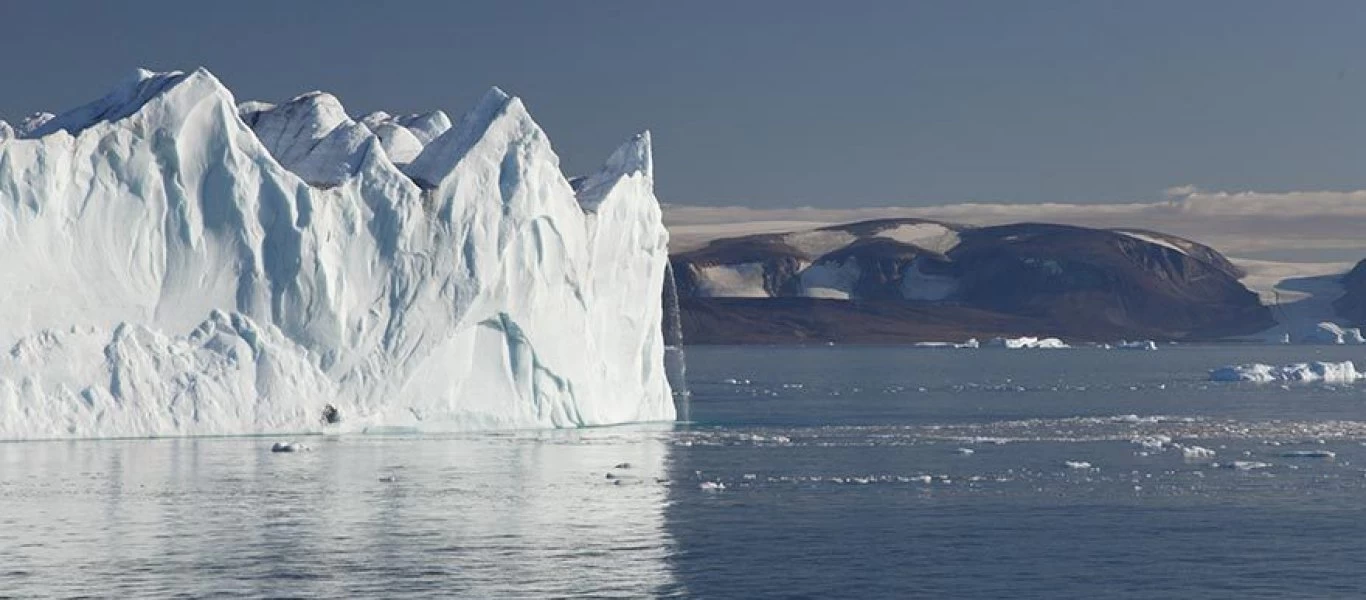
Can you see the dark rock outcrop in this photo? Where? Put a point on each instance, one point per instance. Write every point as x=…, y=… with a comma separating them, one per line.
x=1352, y=305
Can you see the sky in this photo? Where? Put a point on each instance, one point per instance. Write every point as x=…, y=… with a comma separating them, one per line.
x=797, y=103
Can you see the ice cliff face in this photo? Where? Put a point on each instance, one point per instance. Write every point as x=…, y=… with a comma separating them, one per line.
x=177, y=265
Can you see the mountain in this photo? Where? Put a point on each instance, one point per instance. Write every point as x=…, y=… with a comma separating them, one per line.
x=1352, y=305
x=896, y=280
x=180, y=264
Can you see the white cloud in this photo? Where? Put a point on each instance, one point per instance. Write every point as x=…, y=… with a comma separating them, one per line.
x=1236, y=223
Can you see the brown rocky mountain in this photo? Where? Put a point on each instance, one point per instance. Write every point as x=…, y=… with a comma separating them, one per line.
x=903, y=280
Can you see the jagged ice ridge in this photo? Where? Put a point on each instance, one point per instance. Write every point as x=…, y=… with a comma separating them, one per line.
x=178, y=265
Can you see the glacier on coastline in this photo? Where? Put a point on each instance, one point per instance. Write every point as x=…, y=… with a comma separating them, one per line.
x=177, y=264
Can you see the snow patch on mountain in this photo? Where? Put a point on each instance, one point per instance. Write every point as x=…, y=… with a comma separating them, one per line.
x=742, y=280
x=819, y=242
x=831, y=279
x=930, y=236
x=1151, y=238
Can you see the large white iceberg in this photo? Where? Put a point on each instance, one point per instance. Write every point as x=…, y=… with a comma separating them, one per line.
x=1328, y=372
x=168, y=270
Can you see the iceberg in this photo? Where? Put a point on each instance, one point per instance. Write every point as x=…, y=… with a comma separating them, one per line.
x=971, y=343
x=1136, y=345
x=1327, y=372
x=177, y=264
x=1025, y=342
x=1330, y=333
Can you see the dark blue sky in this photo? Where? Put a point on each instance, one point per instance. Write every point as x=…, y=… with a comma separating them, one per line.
x=792, y=103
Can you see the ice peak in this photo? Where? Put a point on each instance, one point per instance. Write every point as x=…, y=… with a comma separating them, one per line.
x=426, y=126
x=634, y=156
x=6, y=131
x=126, y=99
x=631, y=158
x=496, y=115
x=311, y=135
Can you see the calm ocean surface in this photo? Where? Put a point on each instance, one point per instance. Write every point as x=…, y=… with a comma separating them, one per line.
x=862, y=472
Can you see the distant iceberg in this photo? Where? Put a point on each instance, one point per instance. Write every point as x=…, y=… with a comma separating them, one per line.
x=1138, y=345
x=1025, y=342
x=971, y=343
x=1332, y=334
x=1328, y=372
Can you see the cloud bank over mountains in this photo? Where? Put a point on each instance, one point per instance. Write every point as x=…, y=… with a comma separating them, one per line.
x=1309, y=226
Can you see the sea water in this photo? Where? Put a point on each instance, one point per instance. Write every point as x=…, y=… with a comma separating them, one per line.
x=824, y=471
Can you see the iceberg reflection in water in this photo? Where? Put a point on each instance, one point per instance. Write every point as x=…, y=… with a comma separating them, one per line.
x=518, y=514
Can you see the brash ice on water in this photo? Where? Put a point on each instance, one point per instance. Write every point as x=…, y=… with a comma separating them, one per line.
x=177, y=264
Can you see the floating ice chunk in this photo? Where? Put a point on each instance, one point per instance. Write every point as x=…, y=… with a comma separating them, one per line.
x=1195, y=452
x=1309, y=454
x=1153, y=442
x=289, y=447
x=965, y=451
x=1077, y=464
x=711, y=486
x=1138, y=345
x=971, y=343
x=1026, y=342
x=1246, y=465
x=1327, y=372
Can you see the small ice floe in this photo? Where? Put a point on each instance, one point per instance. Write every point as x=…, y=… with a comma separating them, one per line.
x=1309, y=454
x=1154, y=443
x=750, y=476
x=1246, y=465
x=1138, y=345
x=622, y=466
x=971, y=343
x=965, y=451
x=289, y=447
x=711, y=486
x=1196, y=452
x=1327, y=372
x=1076, y=464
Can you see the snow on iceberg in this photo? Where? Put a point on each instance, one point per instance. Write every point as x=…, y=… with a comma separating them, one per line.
x=1025, y=342
x=172, y=271
x=1328, y=372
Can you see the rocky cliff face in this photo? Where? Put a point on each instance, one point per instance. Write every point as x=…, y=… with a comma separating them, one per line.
x=1352, y=305
x=910, y=279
